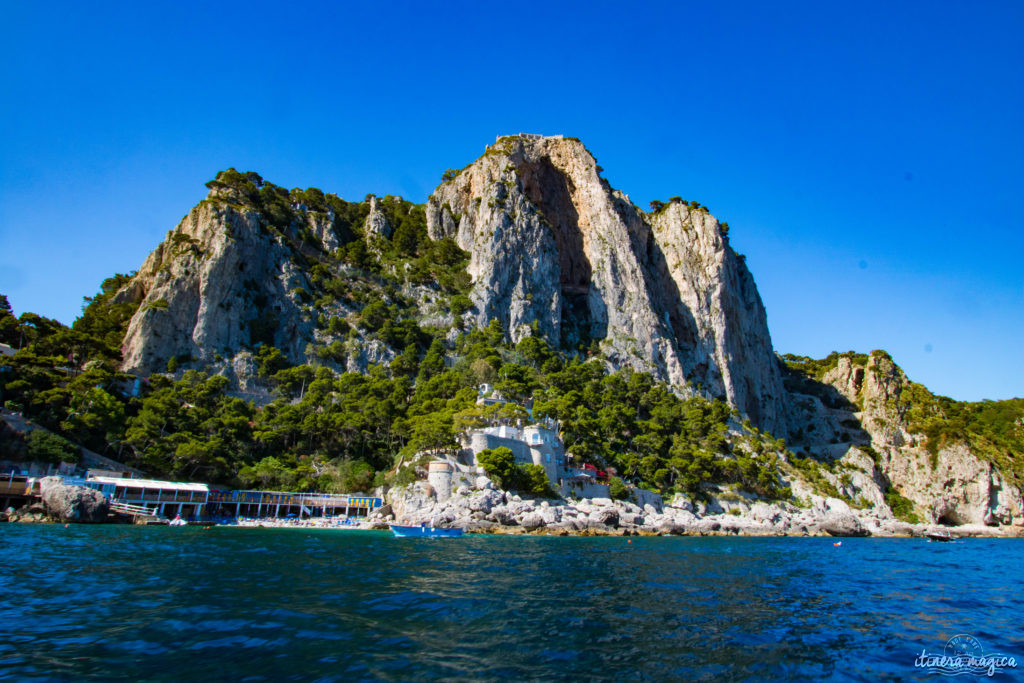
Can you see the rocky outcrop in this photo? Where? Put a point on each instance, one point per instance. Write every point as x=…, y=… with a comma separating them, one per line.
x=860, y=407
x=72, y=503
x=220, y=282
x=376, y=224
x=553, y=245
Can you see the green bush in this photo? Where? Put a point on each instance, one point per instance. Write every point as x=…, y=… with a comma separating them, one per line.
x=902, y=507
x=617, y=489
x=460, y=304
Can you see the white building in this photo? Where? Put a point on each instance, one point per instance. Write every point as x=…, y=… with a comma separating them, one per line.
x=168, y=497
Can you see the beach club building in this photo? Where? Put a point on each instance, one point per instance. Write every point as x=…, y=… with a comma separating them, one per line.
x=169, y=498
x=284, y=504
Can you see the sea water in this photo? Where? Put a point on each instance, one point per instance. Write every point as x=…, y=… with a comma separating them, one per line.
x=159, y=603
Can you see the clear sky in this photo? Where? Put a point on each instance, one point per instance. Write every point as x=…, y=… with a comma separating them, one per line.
x=869, y=156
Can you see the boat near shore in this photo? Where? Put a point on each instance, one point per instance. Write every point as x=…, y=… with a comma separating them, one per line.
x=421, y=531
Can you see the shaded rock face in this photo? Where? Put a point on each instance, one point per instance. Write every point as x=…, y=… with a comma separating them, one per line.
x=72, y=503
x=552, y=243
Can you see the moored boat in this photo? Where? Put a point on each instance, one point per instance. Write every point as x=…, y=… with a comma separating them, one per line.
x=420, y=531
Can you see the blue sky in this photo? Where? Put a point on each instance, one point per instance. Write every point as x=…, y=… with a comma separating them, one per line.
x=869, y=157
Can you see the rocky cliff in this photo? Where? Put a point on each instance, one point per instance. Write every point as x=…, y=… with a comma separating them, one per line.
x=219, y=283
x=552, y=248
x=865, y=413
x=553, y=245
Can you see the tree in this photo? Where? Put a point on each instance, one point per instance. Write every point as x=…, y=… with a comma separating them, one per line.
x=433, y=362
x=617, y=489
x=407, y=363
x=52, y=448
x=270, y=360
x=499, y=463
x=532, y=479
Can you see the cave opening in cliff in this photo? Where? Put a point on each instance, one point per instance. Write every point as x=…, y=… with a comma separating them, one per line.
x=950, y=518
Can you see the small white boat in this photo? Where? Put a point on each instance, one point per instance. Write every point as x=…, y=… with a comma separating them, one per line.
x=178, y=521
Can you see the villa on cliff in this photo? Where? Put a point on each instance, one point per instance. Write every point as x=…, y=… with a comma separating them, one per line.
x=535, y=443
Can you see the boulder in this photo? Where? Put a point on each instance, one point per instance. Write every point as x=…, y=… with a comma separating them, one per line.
x=485, y=501
x=503, y=516
x=531, y=521
x=631, y=519
x=670, y=527
x=550, y=515
x=73, y=503
x=604, y=517
x=843, y=525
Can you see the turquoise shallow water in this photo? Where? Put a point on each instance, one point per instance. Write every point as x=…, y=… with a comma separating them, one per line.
x=138, y=603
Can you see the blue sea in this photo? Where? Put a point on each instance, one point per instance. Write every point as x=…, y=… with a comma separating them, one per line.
x=158, y=603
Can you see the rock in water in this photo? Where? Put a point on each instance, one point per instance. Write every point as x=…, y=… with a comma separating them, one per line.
x=845, y=525
x=73, y=503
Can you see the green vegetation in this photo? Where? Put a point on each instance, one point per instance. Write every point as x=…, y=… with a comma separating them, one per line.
x=617, y=489
x=337, y=431
x=500, y=464
x=346, y=431
x=817, y=369
x=52, y=448
x=993, y=430
x=902, y=507
x=658, y=206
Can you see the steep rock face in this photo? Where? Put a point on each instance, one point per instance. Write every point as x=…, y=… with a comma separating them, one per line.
x=552, y=242
x=716, y=314
x=218, y=283
x=953, y=486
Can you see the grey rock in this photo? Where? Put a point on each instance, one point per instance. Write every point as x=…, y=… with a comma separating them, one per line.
x=844, y=525
x=531, y=521
x=73, y=503
x=608, y=517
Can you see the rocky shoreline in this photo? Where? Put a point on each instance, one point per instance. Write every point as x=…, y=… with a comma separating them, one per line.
x=486, y=509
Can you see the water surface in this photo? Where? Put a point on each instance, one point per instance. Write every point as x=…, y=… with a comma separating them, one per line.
x=155, y=603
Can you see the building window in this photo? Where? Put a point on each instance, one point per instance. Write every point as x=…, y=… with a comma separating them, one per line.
x=547, y=457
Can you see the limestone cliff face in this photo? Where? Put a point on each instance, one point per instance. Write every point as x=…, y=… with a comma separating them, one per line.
x=217, y=284
x=953, y=486
x=552, y=242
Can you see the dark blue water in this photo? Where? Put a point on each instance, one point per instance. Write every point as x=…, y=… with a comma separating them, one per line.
x=131, y=603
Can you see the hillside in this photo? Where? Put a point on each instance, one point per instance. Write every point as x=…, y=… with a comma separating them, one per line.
x=293, y=339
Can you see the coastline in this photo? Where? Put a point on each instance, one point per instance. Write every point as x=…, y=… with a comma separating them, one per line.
x=486, y=509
